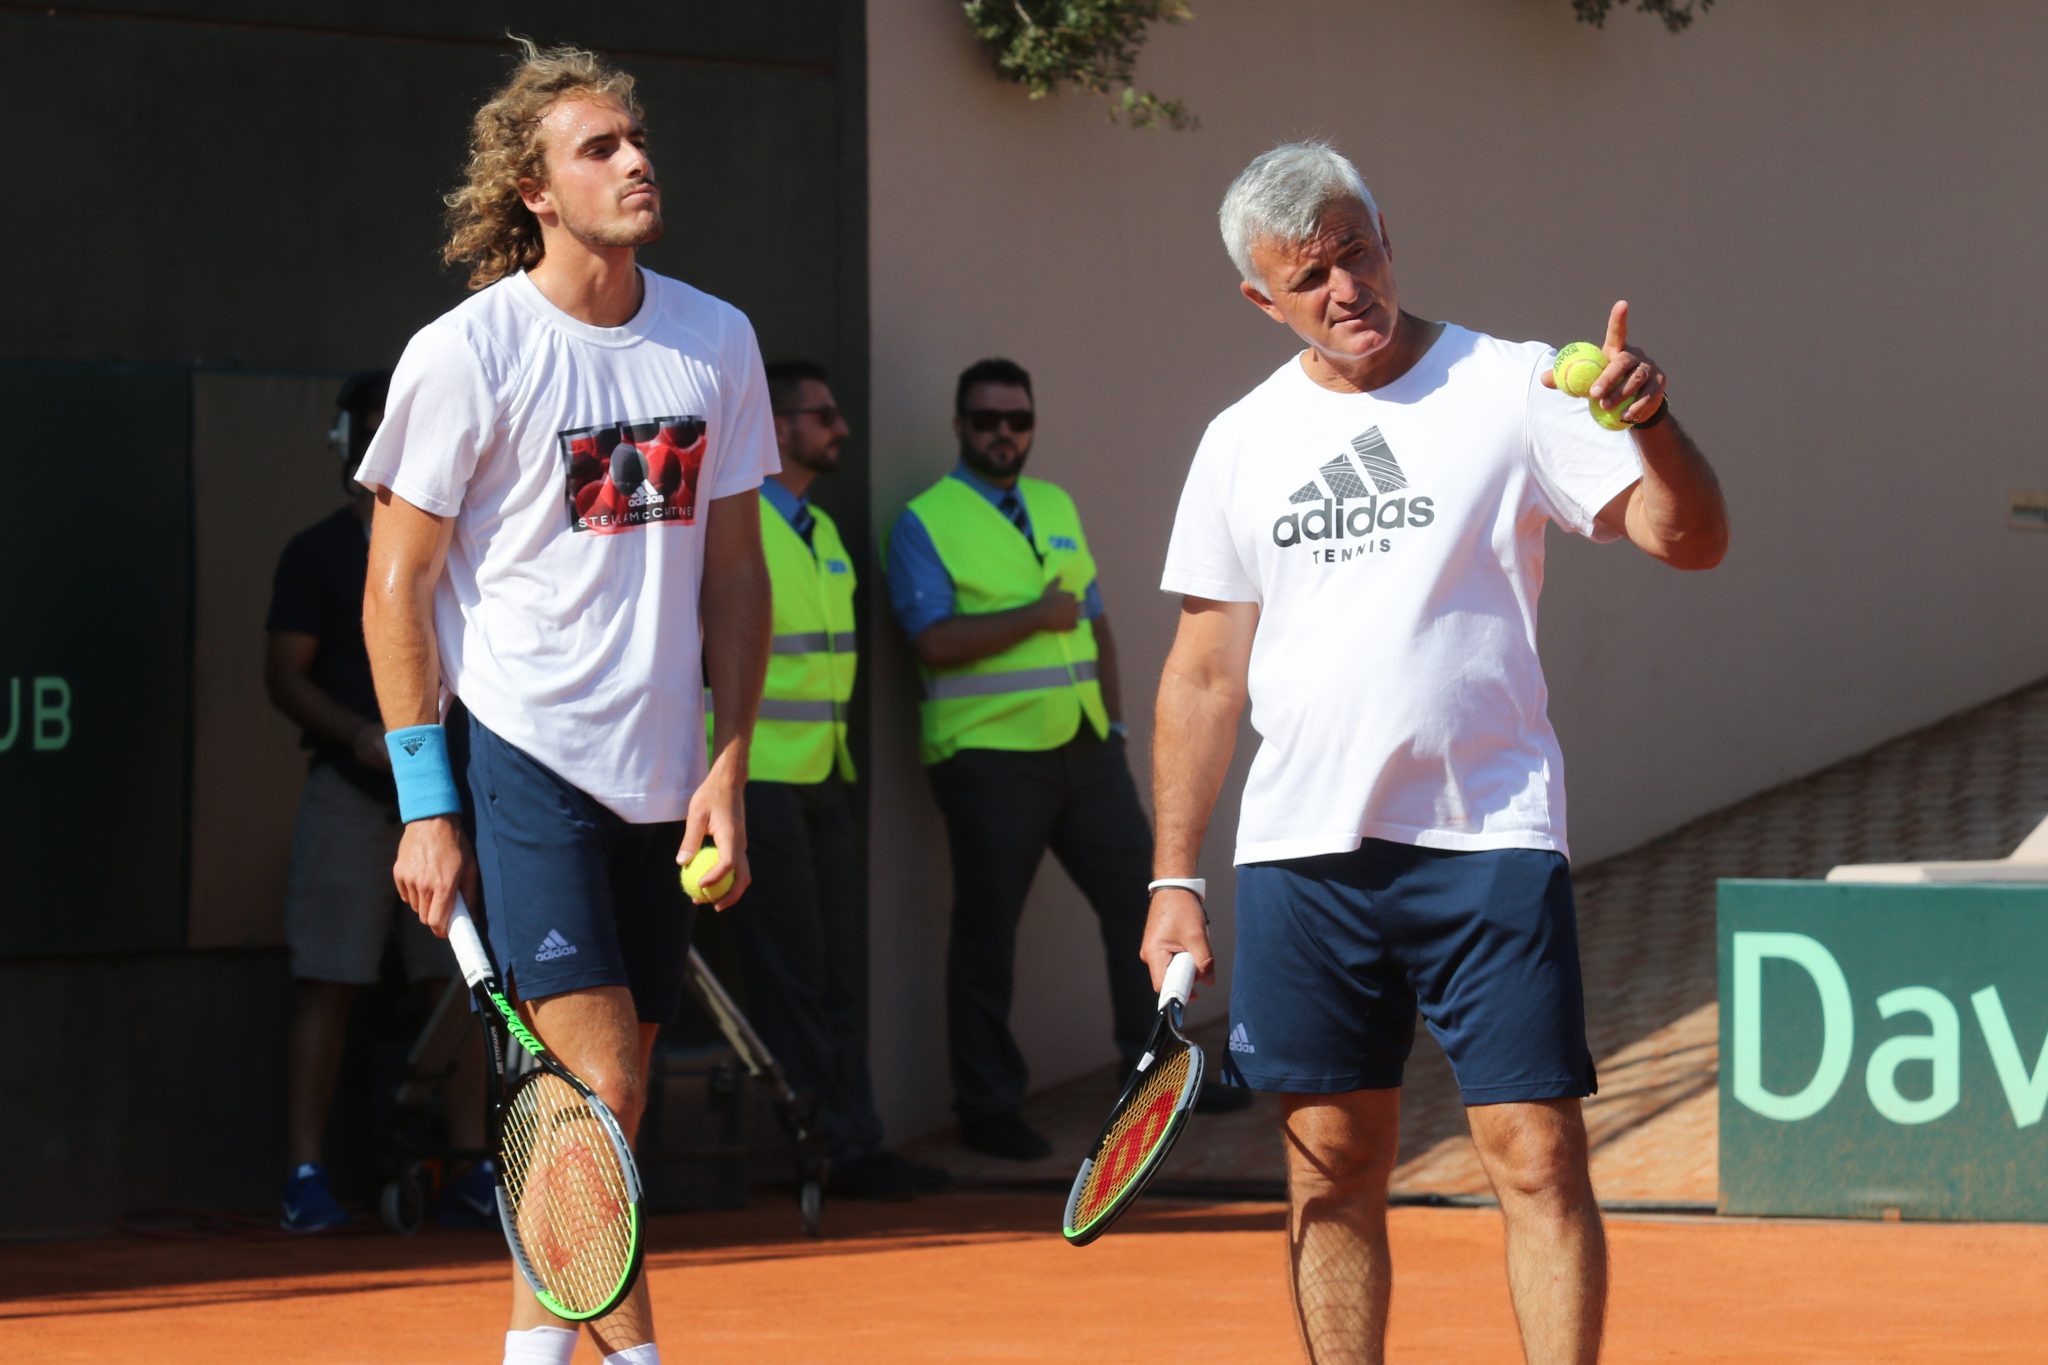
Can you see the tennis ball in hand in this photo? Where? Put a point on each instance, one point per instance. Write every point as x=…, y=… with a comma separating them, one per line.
x=1578, y=365
x=1612, y=418
x=693, y=877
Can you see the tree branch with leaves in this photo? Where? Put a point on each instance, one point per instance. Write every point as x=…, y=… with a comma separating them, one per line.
x=1676, y=14
x=1093, y=44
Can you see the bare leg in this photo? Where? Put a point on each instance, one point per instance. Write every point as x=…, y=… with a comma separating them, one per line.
x=1340, y=1154
x=598, y=1035
x=312, y=1062
x=1535, y=1155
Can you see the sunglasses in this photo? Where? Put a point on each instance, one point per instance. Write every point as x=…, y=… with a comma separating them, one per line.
x=985, y=420
x=827, y=413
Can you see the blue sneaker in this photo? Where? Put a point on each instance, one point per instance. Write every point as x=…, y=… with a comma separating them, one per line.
x=309, y=1204
x=470, y=1202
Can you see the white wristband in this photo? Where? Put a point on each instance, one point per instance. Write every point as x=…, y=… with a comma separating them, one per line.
x=1195, y=886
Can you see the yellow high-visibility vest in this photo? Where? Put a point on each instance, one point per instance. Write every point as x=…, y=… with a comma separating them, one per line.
x=800, y=733
x=1035, y=694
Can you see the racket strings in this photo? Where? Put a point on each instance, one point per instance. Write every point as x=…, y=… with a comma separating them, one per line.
x=1135, y=1132
x=567, y=1192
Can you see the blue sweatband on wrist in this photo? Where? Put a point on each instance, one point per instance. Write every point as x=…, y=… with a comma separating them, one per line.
x=419, y=763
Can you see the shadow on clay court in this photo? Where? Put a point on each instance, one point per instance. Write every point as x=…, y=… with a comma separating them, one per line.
x=173, y=1264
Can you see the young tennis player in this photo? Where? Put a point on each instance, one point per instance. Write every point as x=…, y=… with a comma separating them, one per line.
x=1359, y=548
x=566, y=481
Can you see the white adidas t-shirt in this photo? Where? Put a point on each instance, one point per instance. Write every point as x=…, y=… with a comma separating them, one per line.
x=1394, y=543
x=580, y=465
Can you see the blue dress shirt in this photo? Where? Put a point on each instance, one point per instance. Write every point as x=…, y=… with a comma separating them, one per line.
x=795, y=510
x=920, y=589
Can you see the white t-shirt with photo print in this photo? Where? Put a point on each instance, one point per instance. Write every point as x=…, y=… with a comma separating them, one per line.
x=1393, y=541
x=580, y=465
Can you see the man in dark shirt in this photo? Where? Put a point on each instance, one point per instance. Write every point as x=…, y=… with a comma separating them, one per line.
x=340, y=904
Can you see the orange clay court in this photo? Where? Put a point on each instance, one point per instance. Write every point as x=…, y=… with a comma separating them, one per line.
x=986, y=1277
x=983, y=1275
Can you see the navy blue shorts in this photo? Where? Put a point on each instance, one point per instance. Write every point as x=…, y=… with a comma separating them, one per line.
x=574, y=896
x=1335, y=954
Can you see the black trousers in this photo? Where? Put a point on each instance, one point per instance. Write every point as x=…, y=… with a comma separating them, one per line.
x=1003, y=810
x=803, y=952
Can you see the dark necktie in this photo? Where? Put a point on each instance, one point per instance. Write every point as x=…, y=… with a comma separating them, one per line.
x=1013, y=508
x=803, y=521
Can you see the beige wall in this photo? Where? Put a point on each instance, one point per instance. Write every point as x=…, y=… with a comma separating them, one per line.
x=1826, y=216
x=262, y=471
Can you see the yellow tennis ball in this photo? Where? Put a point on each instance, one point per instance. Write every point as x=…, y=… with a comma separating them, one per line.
x=1578, y=365
x=693, y=877
x=1612, y=418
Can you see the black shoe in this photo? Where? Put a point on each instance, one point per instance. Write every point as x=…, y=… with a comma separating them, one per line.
x=1004, y=1135
x=922, y=1179
x=1217, y=1098
x=871, y=1175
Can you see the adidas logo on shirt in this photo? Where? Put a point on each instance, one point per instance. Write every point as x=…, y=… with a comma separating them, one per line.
x=1372, y=508
x=1240, y=1041
x=554, y=946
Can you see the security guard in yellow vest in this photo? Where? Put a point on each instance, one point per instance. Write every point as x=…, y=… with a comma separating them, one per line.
x=990, y=574
x=803, y=938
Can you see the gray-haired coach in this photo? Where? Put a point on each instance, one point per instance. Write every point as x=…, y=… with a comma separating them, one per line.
x=1359, y=548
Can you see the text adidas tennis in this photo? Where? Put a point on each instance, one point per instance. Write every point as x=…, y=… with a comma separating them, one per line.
x=1331, y=520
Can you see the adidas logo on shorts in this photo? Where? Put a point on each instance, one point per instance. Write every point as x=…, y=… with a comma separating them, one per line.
x=1240, y=1041
x=554, y=946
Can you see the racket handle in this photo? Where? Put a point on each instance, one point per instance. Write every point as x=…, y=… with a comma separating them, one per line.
x=1180, y=980
x=468, y=946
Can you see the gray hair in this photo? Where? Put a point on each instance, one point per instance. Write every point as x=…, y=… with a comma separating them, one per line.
x=1282, y=197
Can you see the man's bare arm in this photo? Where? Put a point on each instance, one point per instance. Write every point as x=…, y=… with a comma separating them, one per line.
x=1675, y=512
x=735, y=607
x=960, y=640
x=1202, y=692
x=288, y=657
x=408, y=550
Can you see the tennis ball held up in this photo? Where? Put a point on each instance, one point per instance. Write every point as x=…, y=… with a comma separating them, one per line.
x=693, y=877
x=1612, y=418
x=1578, y=366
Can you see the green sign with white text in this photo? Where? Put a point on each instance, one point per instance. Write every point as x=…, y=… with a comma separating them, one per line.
x=1884, y=1048
x=95, y=639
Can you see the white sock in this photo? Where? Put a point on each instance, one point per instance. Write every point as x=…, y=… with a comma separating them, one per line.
x=635, y=1355
x=540, y=1346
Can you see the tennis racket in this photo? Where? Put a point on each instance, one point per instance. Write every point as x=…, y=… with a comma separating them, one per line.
x=1145, y=1121
x=568, y=1191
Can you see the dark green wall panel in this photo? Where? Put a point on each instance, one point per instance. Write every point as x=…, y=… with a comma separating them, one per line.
x=95, y=622
x=227, y=193
x=253, y=189
x=750, y=32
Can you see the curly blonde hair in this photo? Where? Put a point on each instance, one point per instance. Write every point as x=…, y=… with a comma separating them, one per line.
x=489, y=229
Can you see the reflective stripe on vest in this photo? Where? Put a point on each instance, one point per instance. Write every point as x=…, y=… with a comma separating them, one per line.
x=774, y=708
x=813, y=642
x=990, y=684
x=1036, y=694
x=800, y=729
